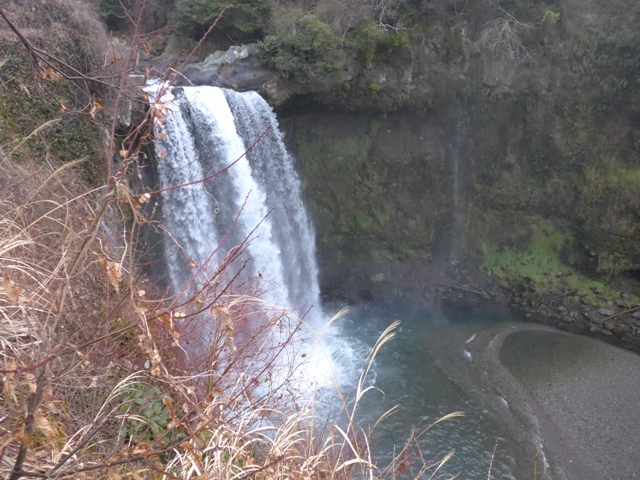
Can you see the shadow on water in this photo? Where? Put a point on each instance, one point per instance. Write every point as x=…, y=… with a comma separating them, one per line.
x=425, y=372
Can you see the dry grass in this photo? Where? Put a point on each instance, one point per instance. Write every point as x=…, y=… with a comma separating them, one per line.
x=44, y=310
x=96, y=379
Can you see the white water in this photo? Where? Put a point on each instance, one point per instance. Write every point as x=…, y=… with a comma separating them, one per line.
x=253, y=193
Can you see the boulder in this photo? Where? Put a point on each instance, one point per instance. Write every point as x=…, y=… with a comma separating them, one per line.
x=237, y=68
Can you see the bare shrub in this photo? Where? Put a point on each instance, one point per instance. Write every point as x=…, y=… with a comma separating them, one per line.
x=82, y=23
x=502, y=36
x=343, y=15
x=72, y=22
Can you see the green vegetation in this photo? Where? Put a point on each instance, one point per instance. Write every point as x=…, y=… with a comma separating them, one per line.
x=158, y=14
x=370, y=42
x=540, y=267
x=378, y=277
x=602, y=67
x=551, y=17
x=303, y=47
x=540, y=263
x=33, y=96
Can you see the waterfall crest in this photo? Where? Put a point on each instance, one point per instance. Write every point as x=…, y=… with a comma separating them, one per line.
x=207, y=129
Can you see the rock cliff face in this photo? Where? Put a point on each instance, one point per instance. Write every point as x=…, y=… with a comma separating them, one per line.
x=495, y=157
x=492, y=169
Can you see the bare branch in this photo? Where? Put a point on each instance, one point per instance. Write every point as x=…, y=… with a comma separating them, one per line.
x=24, y=41
x=502, y=37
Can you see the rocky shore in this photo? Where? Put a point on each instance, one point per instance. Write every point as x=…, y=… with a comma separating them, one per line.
x=577, y=395
x=615, y=322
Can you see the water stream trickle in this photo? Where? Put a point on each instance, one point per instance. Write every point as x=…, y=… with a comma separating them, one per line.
x=457, y=216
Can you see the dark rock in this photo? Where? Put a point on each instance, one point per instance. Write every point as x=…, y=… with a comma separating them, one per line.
x=592, y=317
x=237, y=68
x=135, y=79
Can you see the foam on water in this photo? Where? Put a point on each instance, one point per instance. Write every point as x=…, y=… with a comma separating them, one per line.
x=251, y=191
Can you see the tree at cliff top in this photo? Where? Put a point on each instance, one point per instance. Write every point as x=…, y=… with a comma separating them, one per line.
x=242, y=17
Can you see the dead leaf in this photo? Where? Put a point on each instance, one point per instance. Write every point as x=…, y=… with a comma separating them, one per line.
x=136, y=475
x=11, y=291
x=9, y=384
x=134, y=203
x=159, y=107
x=52, y=75
x=47, y=398
x=44, y=426
x=24, y=439
x=31, y=382
x=82, y=356
x=114, y=272
x=94, y=109
x=23, y=88
x=169, y=404
x=114, y=475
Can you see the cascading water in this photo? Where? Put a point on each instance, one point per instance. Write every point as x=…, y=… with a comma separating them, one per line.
x=207, y=129
x=229, y=190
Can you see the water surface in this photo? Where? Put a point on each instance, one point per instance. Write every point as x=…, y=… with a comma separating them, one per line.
x=427, y=372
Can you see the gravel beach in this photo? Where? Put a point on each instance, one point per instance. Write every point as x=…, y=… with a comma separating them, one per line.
x=579, y=398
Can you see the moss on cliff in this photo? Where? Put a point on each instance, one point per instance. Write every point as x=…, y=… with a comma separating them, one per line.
x=548, y=149
x=34, y=95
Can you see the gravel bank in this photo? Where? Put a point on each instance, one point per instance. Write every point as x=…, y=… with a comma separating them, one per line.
x=579, y=397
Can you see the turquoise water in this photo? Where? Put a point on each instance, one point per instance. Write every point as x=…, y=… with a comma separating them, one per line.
x=426, y=371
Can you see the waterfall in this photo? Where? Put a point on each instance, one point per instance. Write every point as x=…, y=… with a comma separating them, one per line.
x=205, y=130
x=458, y=229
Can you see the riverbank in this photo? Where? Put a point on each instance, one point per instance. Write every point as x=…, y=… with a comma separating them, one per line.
x=609, y=317
x=578, y=397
